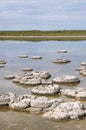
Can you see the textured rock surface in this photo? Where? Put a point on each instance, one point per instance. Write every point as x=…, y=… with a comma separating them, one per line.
x=55, y=108
x=46, y=89
x=67, y=110
x=31, y=78
x=77, y=93
x=66, y=79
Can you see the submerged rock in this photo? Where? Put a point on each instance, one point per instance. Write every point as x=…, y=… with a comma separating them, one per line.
x=66, y=79
x=46, y=89
x=61, y=61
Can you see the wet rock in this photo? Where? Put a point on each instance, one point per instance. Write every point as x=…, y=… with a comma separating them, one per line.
x=46, y=89
x=79, y=93
x=80, y=68
x=83, y=63
x=6, y=99
x=27, y=69
x=31, y=82
x=61, y=61
x=2, y=62
x=62, y=51
x=36, y=57
x=22, y=104
x=83, y=72
x=31, y=78
x=9, y=77
x=66, y=110
x=66, y=79
x=23, y=56
x=1, y=66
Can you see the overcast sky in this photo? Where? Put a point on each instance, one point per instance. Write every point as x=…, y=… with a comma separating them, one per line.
x=42, y=14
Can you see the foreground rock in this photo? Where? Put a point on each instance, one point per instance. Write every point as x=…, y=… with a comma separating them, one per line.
x=79, y=93
x=46, y=89
x=55, y=108
x=61, y=61
x=66, y=79
x=67, y=110
x=31, y=78
x=6, y=99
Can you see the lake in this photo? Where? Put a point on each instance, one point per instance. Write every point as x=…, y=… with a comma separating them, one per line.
x=10, y=50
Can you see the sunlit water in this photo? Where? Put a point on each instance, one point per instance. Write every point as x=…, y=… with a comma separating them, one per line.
x=10, y=50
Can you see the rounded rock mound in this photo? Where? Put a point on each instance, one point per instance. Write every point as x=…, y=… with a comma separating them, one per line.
x=66, y=79
x=46, y=89
x=62, y=51
x=83, y=72
x=23, y=56
x=61, y=61
x=36, y=57
x=83, y=63
x=27, y=69
x=2, y=62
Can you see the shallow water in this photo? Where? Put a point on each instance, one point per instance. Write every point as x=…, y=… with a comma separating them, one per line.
x=10, y=50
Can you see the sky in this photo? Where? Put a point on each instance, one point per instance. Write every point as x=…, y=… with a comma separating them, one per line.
x=42, y=15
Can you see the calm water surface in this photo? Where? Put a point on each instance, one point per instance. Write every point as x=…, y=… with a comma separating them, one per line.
x=10, y=50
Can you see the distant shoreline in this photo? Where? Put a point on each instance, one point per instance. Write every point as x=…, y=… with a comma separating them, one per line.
x=43, y=36
x=38, y=35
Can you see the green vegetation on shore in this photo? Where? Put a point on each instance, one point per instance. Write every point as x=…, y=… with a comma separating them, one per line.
x=44, y=33
x=20, y=35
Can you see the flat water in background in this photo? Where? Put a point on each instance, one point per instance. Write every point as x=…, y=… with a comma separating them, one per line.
x=10, y=50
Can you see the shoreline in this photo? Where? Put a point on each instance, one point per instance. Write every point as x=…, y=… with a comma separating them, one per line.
x=78, y=36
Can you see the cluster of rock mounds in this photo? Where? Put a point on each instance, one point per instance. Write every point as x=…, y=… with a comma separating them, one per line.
x=56, y=109
x=39, y=79
x=82, y=69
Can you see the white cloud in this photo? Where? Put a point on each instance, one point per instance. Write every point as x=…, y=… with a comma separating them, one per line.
x=42, y=13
